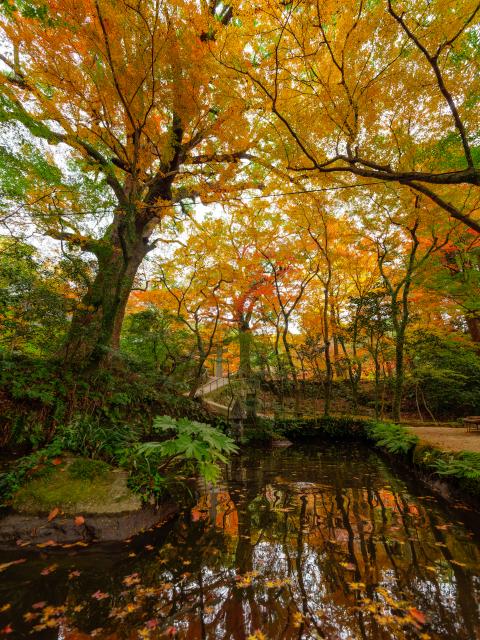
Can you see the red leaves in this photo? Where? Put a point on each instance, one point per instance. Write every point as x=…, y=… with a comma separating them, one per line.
x=79, y=520
x=6, y=630
x=56, y=461
x=48, y=570
x=100, y=595
x=53, y=514
x=417, y=615
x=73, y=574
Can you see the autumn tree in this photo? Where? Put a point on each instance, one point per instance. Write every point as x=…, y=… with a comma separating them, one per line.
x=404, y=242
x=130, y=93
x=367, y=94
x=190, y=286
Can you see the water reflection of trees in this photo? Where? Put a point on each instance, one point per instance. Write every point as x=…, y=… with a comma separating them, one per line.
x=302, y=544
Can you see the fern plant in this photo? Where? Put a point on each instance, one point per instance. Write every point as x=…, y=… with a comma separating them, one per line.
x=188, y=447
x=461, y=465
x=392, y=437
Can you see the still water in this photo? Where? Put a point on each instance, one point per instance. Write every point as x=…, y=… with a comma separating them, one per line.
x=317, y=541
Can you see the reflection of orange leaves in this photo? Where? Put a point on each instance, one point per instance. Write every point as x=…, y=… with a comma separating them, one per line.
x=417, y=615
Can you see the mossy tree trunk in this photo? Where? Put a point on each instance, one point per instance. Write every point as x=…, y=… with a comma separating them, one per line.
x=97, y=321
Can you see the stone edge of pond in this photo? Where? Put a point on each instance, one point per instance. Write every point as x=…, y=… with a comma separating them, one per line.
x=19, y=529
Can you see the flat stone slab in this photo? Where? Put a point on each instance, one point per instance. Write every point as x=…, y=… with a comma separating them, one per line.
x=21, y=529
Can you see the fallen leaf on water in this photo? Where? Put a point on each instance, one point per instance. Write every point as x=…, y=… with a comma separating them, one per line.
x=348, y=565
x=417, y=615
x=39, y=605
x=29, y=616
x=152, y=624
x=53, y=514
x=459, y=564
x=48, y=543
x=10, y=564
x=5, y=607
x=131, y=580
x=99, y=595
x=48, y=570
x=22, y=543
x=356, y=586
x=79, y=520
x=6, y=630
x=73, y=574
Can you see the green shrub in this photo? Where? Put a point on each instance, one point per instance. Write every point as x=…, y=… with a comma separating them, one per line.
x=392, y=437
x=87, y=436
x=35, y=464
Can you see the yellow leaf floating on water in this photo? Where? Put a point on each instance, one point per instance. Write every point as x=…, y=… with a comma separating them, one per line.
x=297, y=619
x=356, y=586
x=257, y=635
x=10, y=564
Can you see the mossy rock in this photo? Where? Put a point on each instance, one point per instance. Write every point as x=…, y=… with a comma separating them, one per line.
x=78, y=486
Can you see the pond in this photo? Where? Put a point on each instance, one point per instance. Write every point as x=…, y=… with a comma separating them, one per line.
x=316, y=541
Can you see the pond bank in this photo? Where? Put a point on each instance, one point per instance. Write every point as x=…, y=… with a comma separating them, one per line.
x=454, y=474
x=74, y=501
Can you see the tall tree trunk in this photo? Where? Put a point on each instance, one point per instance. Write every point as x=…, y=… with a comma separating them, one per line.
x=291, y=366
x=399, y=375
x=245, y=344
x=97, y=321
x=328, y=361
x=473, y=324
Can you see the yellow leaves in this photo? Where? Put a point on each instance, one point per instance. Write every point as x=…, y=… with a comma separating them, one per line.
x=6, y=565
x=257, y=635
x=297, y=619
x=356, y=586
x=245, y=580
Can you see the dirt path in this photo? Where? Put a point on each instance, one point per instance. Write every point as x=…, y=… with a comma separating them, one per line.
x=452, y=438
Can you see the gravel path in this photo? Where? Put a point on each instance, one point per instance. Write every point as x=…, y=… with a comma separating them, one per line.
x=452, y=438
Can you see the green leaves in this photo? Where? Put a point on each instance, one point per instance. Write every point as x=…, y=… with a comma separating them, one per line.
x=392, y=437
x=189, y=447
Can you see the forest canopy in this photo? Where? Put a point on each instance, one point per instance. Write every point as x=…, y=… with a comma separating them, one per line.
x=287, y=191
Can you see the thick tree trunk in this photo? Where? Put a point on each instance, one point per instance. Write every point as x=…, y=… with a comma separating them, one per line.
x=97, y=322
x=473, y=324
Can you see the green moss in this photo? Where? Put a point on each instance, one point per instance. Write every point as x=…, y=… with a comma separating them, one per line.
x=84, y=469
x=82, y=486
